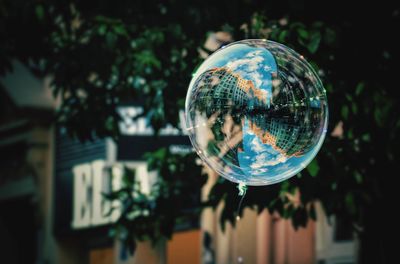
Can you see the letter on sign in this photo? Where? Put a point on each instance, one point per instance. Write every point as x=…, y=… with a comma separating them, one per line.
x=82, y=195
x=90, y=207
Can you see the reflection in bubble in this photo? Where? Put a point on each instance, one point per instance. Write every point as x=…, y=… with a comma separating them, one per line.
x=256, y=112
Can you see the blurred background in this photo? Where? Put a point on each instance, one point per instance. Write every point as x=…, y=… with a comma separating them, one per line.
x=96, y=168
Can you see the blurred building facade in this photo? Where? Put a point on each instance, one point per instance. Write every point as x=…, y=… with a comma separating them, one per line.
x=26, y=150
x=52, y=210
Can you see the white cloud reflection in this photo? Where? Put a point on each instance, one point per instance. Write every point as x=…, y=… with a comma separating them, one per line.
x=250, y=67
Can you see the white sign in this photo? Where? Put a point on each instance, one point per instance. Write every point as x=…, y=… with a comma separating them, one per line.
x=89, y=206
x=138, y=126
x=90, y=181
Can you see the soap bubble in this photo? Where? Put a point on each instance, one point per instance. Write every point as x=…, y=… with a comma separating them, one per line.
x=256, y=112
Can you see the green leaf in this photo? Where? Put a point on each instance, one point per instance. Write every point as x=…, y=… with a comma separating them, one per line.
x=285, y=186
x=129, y=177
x=366, y=137
x=39, y=10
x=303, y=33
x=313, y=168
x=111, y=39
x=299, y=217
x=350, y=203
x=360, y=87
x=354, y=108
x=345, y=112
x=314, y=42
x=358, y=177
x=288, y=211
x=160, y=153
x=120, y=29
x=350, y=134
x=102, y=29
x=282, y=36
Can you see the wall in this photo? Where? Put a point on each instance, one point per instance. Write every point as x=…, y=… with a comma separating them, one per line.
x=261, y=239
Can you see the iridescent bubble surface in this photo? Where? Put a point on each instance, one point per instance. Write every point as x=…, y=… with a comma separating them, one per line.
x=256, y=112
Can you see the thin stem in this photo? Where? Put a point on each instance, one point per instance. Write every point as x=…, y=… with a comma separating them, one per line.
x=242, y=192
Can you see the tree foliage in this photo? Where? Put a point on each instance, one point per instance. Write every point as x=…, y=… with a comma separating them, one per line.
x=173, y=200
x=111, y=53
